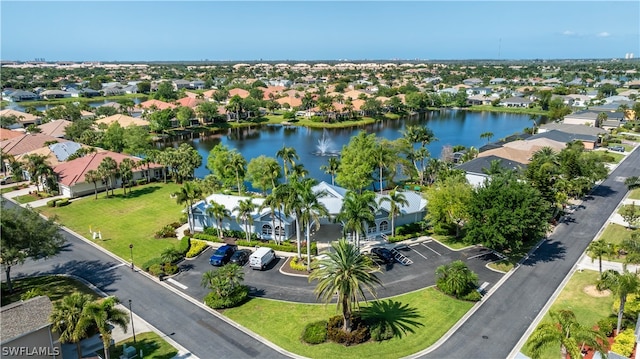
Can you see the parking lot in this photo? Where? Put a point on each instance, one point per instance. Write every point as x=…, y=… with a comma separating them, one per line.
x=425, y=256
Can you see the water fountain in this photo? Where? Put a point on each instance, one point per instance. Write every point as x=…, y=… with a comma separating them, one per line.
x=324, y=146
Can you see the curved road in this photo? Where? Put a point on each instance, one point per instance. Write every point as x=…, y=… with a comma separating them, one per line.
x=499, y=323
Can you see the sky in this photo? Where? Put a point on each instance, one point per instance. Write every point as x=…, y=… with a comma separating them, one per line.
x=317, y=30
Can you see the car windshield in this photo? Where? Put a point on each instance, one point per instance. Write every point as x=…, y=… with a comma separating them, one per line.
x=219, y=252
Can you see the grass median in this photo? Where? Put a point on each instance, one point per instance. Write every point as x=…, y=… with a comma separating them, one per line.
x=282, y=323
x=124, y=220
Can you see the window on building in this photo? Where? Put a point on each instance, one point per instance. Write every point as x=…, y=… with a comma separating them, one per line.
x=372, y=228
x=384, y=226
x=280, y=231
x=267, y=230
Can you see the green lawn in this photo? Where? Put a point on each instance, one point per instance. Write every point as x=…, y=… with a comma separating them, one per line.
x=450, y=241
x=588, y=309
x=152, y=345
x=617, y=157
x=55, y=287
x=125, y=220
x=615, y=233
x=635, y=194
x=282, y=323
x=25, y=198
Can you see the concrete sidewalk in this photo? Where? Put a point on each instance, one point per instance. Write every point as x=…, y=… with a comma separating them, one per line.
x=25, y=191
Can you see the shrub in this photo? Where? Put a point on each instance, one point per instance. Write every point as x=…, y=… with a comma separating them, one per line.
x=380, y=331
x=187, y=232
x=472, y=296
x=62, y=202
x=607, y=325
x=185, y=244
x=32, y=293
x=166, y=232
x=238, y=296
x=207, y=237
x=315, y=333
x=141, y=181
x=196, y=248
x=624, y=343
x=175, y=225
x=170, y=268
x=211, y=231
x=298, y=264
x=156, y=270
x=284, y=247
x=146, y=265
x=359, y=332
x=52, y=203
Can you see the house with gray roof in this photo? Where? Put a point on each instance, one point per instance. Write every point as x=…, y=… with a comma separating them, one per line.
x=516, y=102
x=590, y=116
x=26, y=326
x=589, y=141
x=21, y=95
x=476, y=169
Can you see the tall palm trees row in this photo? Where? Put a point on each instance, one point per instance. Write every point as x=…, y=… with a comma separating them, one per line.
x=109, y=171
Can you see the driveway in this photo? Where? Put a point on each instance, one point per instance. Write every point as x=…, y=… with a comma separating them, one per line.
x=397, y=279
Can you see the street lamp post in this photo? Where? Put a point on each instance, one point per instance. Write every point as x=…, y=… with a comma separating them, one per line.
x=131, y=250
x=133, y=329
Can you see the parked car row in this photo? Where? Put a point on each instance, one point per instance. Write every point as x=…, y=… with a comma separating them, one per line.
x=229, y=253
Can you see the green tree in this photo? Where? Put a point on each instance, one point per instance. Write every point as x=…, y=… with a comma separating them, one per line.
x=487, y=135
x=171, y=255
x=219, y=212
x=126, y=172
x=236, y=105
x=630, y=213
x=386, y=158
x=217, y=163
x=160, y=121
x=505, y=213
x=598, y=249
x=447, y=203
x=311, y=210
x=113, y=138
x=104, y=315
x=357, y=162
x=357, y=212
x=456, y=279
x=347, y=273
x=263, y=172
x=166, y=92
x=289, y=157
x=24, y=234
x=208, y=111
x=565, y=330
x=238, y=165
x=108, y=170
x=144, y=86
x=621, y=284
x=92, y=176
x=137, y=140
x=396, y=201
x=68, y=319
x=184, y=115
x=37, y=167
x=245, y=210
x=188, y=194
x=331, y=168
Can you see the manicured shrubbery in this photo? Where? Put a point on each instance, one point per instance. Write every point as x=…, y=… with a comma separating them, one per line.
x=359, y=333
x=472, y=296
x=196, y=248
x=32, y=293
x=207, y=237
x=624, y=343
x=156, y=270
x=185, y=244
x=607, y=325
x=409, y=231
x=298, y=264
x=62, y=202
x=237, y=296
x=52, y=203
x=315, y=333
x=141, y=181
x=166, y=232
x=146, y=265
x=380, y=331
x=284, y=247
x=456, y=279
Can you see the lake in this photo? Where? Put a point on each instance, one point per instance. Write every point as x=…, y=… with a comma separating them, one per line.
x=451, y=127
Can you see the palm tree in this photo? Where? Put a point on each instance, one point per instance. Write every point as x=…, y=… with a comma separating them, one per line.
x=108, y=169
x=170, y=255
x=396, y=200
x=236, y=105
x=188, y=194
x=245, y=209
x=358, y=210
x=298, y=171
x=621, y=284
x=272, y=201
x=487, y=135
x=104, y=315
x=67, y=319
x=292, y=205
x=332, y=168
x=347, y=273
x=219, y=212
x=126, y=172
x=456, y=278
x=213, y=280
x=37, y=166
x=92, y=176
x=237, y=164
x=232, y=274
x=564, y=329
x=289, y=156
x=599, y=248
x=385, y=157
x=311, y=210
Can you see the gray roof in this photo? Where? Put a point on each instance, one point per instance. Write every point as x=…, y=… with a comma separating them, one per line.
x=477, y=165
x=575, y=129
x=593, y=113
x=564, y=137
x=24, y=317
x=63, y=150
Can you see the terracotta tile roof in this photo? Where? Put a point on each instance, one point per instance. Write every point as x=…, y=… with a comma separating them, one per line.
x=22, y=117
x=160, y=105
x=6, y=134
x=72, y=172
x=357, y=104
x=52, y=160
x=240, y=92
x=123, y=120
x=54, y=128
x=275, y=90
x=209, y=94
x=191, y=94
x=27, y=143
x=292, y=101
x=189, y=102
x=512, y=154
x=354, y=94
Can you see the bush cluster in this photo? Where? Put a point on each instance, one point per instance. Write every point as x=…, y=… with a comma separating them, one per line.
x=380, y=331
x=236, y=297
x=408, y=231
x=166, y=232
x=32, y=293
x=298, y=264
x=184, y=245
x=207, y=237
x=315, y=333
x=196, y=248
x=359, y=333
x=141, y=181
x=607, y=325
x=147, y=265
x=624, y=343
x=59, y=202
x=284, y=247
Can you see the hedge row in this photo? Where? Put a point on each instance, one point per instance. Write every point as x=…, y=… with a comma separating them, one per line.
x=196, y=248
x=207, y=237
x=59, y=202
x=284, y=247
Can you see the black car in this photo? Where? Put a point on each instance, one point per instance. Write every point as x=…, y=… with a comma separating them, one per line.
x=382, y=255
x=617, y=148
x=240, y=257
x=222, y=255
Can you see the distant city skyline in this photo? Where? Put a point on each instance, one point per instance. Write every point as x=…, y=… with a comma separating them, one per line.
x=325, y=30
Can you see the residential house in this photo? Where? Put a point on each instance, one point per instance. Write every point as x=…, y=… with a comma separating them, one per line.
x=52, y=94
x=589, y=141
x=332, y=198
x=71, y=174
x=478, y=91
x=238, y=91
x=479, y=100
x=189, y=102
x=23, y=119
x=292, y=101
x=27, y=143
x=155, y=105
x=472, y=82
x=588, y=117
x=112, y=91
x=497, y=81
x=55, y=128
x=579, y=100
x=6, y=134
x=123, y=120
x=21, y=95
x=516, y=102
x=476, y=169
x=26, y=330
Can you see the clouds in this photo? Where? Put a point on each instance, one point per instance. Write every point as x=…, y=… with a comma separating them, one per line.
x=571, y=33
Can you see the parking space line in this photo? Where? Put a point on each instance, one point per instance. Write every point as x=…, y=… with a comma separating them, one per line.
x=478, y=255
x=113, y=267
x=177, y=284
x=420, y=254
x=415, y=244
x=429, y=248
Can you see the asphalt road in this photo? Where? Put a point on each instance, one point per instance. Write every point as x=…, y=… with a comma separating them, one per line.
x=497, y=326
x=194, y=328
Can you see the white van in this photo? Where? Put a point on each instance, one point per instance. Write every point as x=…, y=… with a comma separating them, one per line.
x=261, y=258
